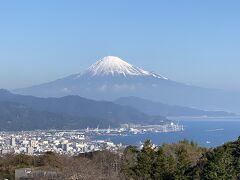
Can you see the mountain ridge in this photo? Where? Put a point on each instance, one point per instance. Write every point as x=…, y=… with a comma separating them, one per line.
x=19, y=117
x=156, y=108
x=109, y=81
x=79, y=110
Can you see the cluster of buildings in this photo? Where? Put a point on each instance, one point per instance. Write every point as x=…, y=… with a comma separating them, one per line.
x=74, y=142
x=62, y=142
x=162, y=128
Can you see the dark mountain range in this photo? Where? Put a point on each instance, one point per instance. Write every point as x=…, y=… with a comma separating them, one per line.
x=18, y=117
x=156, y=108
x=112, y=78
x=14, y=116
x=72, y=112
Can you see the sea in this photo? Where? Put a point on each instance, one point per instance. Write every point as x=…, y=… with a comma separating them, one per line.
x=205, y=132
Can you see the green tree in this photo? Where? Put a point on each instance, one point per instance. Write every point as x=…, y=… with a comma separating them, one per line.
x=220, y=165
x=183, y=162
x=145, y=159
x=164, y=166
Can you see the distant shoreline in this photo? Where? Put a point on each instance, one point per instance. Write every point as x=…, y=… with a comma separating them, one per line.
x=184, y=118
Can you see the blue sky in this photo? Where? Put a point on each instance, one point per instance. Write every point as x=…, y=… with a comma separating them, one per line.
x=196, y=42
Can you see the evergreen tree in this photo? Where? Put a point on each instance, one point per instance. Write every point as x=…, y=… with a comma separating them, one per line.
x=159, y=164
x=145, y=159
x=164, y=166
x=183, y=162
x=220, y=165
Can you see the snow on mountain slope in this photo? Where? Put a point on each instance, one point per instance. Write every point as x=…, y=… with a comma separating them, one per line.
x=111, y=65
x=112, y=78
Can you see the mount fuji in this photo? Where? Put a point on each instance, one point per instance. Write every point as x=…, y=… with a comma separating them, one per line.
x=111, y=78
x=114, y=66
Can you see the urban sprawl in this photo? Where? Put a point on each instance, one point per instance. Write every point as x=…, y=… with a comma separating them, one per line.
x=74, y=142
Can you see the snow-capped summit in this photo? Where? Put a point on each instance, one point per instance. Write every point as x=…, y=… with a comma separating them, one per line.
x=112, y=65
x=112, y=78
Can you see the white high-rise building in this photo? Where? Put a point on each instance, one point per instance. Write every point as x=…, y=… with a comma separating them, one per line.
x=29, y=150
x=13, y=142
x=33, y=143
